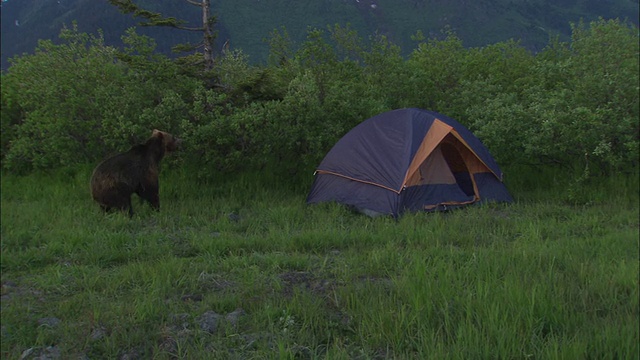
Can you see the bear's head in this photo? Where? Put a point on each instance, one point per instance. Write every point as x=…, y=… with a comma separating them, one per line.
x=170, y=142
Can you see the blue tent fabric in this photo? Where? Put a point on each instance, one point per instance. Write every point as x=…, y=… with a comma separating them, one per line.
x=382, y=146
x=368, y=167
x=328, y=188
x=491, y=189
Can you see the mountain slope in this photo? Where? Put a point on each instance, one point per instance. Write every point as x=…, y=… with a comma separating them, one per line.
x=246, y=23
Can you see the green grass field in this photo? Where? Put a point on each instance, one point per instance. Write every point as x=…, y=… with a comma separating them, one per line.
x=244, y=269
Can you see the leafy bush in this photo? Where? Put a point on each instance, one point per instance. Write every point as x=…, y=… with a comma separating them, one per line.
x=56, y=92
x=75, y=102
x=573, y=104
x=578, y=104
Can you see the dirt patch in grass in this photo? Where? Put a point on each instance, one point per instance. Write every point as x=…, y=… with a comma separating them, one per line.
x=306, y=280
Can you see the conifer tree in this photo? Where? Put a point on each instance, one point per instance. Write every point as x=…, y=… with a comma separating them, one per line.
x=157, y=19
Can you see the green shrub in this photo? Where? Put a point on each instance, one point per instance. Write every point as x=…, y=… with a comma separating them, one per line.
x=574, y=104
x=577, y=105
x=76, y=103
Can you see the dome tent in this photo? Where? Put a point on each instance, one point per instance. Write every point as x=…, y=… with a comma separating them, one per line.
x=408, y=160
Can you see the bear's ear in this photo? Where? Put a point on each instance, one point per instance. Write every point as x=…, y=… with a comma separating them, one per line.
x=157, y=133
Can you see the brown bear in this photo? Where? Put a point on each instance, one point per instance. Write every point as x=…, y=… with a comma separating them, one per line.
x=135, y=171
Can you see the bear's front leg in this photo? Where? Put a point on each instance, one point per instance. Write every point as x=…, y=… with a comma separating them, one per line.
x=149, y=193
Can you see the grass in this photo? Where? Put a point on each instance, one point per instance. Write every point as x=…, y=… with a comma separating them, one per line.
x=554, y=275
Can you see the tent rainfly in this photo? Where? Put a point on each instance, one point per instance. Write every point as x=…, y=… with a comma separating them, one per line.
x=408, y=160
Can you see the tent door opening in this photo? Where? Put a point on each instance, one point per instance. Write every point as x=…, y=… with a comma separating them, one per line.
x=447, y=164
x=457, y=166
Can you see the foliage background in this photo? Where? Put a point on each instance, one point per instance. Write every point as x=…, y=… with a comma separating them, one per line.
x=574, y=104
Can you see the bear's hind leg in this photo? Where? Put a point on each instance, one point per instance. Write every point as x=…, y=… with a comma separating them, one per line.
x=121, y=204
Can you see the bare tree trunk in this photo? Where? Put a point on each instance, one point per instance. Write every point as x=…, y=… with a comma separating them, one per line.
x=209, y=36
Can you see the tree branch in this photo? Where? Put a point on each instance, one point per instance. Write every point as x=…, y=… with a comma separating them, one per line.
x=190, y=28
x=193, y=2
x=155, y=19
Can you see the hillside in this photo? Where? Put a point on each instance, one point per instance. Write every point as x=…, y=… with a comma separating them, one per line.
x=246, y=23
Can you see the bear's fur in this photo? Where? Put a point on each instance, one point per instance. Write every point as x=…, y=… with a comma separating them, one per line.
x=135, y=171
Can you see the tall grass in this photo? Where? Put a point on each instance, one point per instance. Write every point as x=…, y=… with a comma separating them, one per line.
x=553, y=275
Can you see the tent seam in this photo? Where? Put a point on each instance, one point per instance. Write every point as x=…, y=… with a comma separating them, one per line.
x=358, y=180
